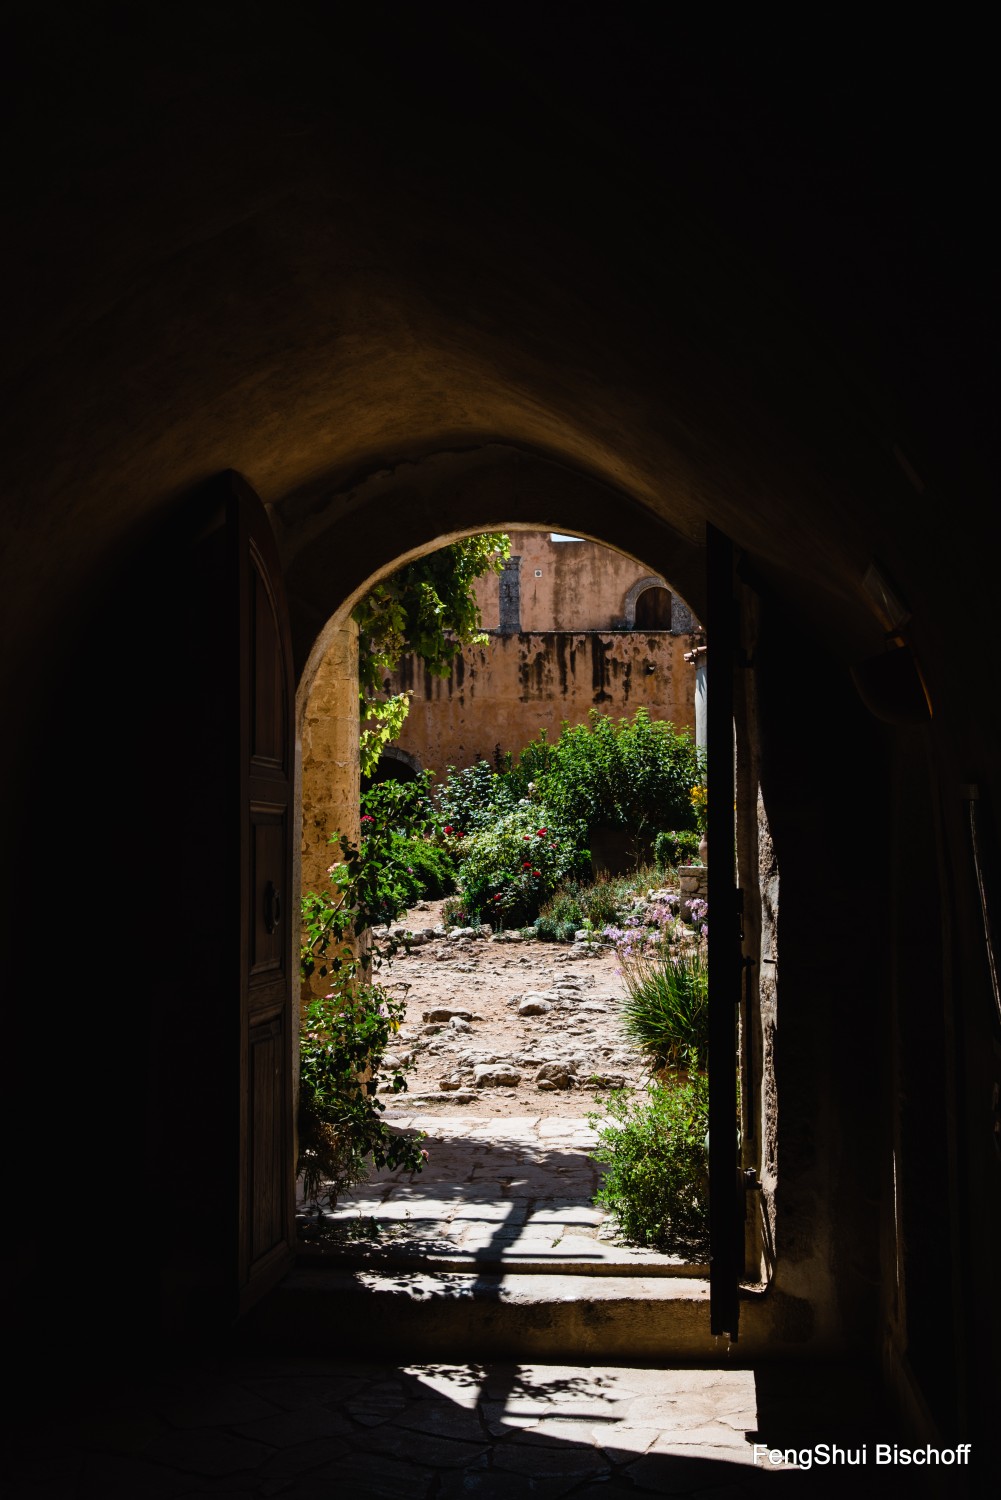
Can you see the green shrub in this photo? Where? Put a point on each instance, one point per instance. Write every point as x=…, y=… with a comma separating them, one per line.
x=655, y=1148
x=393, y=861
x=428, y=870
x=666, y=1010
x=576, y=902
x=344, y=1039
x=679, y=846
x=634, y=774
x=404, y=806
x=511, y=867
x=345, y=1033
x=472, y=799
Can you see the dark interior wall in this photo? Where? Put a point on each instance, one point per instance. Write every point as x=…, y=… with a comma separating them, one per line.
x=521, y=270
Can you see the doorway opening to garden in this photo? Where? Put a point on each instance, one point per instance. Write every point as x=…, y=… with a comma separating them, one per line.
x=547, y=1013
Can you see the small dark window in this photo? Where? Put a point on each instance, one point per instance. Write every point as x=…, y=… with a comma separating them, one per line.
x=653, y=610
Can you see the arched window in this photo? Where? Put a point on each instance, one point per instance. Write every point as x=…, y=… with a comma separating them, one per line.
x=653, y=609
x=647, y=605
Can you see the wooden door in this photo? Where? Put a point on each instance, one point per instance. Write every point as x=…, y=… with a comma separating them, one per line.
x=266, y=1202
x=726, y=1200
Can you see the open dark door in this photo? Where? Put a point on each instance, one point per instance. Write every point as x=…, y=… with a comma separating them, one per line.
x=726, y=1198
x=266, y=1204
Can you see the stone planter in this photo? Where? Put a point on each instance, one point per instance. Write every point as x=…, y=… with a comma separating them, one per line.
x=693, y=883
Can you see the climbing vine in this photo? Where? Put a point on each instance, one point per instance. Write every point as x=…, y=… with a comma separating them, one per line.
x=429, y=608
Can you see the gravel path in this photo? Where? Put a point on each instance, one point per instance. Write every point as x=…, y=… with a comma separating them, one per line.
x=509, y=1027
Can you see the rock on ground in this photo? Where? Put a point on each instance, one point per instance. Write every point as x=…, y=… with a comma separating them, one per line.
x=527, y=1028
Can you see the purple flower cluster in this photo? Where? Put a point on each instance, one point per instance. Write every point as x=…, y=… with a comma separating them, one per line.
x=648, y=939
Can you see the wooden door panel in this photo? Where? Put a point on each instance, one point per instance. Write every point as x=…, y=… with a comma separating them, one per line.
x=268, y=927
x=266, y=1218
x=268, y=710
x=266, y=1175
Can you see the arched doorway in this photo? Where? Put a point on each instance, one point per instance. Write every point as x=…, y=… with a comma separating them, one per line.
x=487, y=477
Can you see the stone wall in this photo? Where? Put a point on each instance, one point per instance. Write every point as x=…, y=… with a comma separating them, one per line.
x=503, y=694
x=330, y=757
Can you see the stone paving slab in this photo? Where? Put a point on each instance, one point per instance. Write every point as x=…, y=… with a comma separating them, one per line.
x=515, y=1191
x=329, y=1428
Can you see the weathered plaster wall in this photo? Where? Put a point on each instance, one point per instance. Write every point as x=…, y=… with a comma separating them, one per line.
x=574, y=585
x=504, y=693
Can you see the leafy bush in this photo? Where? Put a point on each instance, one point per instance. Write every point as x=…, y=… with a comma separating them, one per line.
x=472, y=799
x=429, y=869
x=510, y=868
x=344, y=1039
x=655, y=1147
x=522, y=778
x=679, y=846
x=405, y=807
x=666, y=1011
x=346, y=1032
x=377, y=879
x=634, y=774
x=366, y=890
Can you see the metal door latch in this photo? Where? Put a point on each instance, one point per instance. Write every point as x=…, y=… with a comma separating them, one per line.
x=272, y=907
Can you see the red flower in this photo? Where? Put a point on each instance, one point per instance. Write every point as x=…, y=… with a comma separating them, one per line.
x=367, y=818
x=536, y=872
x=497, y=897
x=526, y=865
x=447, y=828
x=541, y=833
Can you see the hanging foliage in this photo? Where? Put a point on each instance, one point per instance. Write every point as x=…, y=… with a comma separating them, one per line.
x=428, y=608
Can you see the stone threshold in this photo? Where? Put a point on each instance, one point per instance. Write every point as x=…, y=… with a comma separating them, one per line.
x=338, y=1257
x=399, y=1313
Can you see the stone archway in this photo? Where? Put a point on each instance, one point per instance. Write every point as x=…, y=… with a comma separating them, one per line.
x=642, y=588
x=407, y=513
x=397, y=765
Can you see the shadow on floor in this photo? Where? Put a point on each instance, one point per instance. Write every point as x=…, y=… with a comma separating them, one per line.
x=257, y=1426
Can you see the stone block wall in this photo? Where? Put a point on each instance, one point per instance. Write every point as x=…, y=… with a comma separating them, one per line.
x=330, y=757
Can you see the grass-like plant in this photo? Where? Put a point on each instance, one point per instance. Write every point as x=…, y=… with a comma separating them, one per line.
x=666, y=1009
x=564, y=907
x=655, y=1148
